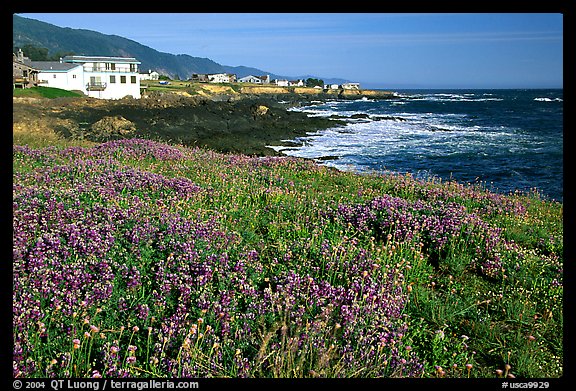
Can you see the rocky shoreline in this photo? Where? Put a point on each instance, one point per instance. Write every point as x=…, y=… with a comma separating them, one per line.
x=244, y=125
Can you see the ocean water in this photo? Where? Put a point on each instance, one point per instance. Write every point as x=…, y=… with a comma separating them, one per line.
x=506, y=140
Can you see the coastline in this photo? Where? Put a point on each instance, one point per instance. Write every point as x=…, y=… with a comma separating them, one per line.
x=245, y=122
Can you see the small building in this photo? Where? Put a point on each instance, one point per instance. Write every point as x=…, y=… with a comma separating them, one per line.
x=23, y=74
x=108, y=77
x=296, y=83
x=265, y=79
x=95, y=76
x=281, y=83
x=61, y=75
x=200, y=77
x=221, y=78
x=250, y=79
x=150, y=75
x=351, y=86
x=331, y=86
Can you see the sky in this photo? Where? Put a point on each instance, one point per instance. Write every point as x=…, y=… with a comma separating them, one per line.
x=379, y=50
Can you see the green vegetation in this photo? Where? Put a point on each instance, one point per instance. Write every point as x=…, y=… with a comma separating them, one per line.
x=44, y=92
x=40, y=53
x=140, y=259
x=311, y=82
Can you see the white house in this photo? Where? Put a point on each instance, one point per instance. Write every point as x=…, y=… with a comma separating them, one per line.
x=255, y=79
x=265, y=79
x=109, y=77
x=221, y=78
x=250, y=79
x=96, y=76
x=331, y=86
x=351, y=86
x=150, y=75
x=281, y=83
x=296, y=83
x=57, y=74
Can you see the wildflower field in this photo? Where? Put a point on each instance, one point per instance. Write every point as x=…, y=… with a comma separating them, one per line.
x=133, y=258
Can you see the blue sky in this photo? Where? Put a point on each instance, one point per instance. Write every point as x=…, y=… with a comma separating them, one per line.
x=380, y=50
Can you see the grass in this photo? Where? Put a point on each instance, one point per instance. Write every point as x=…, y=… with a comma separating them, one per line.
x=44, y=92
x=140, y=259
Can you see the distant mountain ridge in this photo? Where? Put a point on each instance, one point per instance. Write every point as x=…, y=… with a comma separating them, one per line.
x=88, y=42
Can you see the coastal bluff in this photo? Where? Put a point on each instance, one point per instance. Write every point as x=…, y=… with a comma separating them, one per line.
x=246, y=125
x=235, y=91
x=223, y=117
x=339, y=93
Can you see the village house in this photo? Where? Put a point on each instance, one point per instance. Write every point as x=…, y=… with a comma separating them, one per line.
x=95, y=76
x=255, y=79
x=281, y=82
x=331, y=86
x=200, y=77
x=221, y=78
x=213, y=77
x=265, y=79
x=108, y=77
x=150, y=75
x=23, y=74
x=296, y=83
x=58, y=74
x=250, y=79
x=351, y=86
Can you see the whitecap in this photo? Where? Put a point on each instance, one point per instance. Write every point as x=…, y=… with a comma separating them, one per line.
x=549, y=100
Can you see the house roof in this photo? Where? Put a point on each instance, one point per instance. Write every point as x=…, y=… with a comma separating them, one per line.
x=52, y=65
x=83, y=59
x=26, y=63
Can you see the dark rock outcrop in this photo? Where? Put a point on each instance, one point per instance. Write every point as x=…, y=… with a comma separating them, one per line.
x=245, y=125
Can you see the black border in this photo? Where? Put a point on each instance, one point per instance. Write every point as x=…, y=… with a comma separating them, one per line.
x=565, y=7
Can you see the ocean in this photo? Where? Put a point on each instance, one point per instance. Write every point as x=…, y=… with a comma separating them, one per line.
x=505, y=140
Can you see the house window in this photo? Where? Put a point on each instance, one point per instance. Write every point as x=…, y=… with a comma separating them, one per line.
x=73, y=76
x=123, y=79
x=133, y=79
x=53, y=76
x=112, y=79
x=132, y=67
x=95, y=80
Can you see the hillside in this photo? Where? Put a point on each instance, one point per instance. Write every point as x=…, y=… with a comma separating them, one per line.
x=87, y=42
